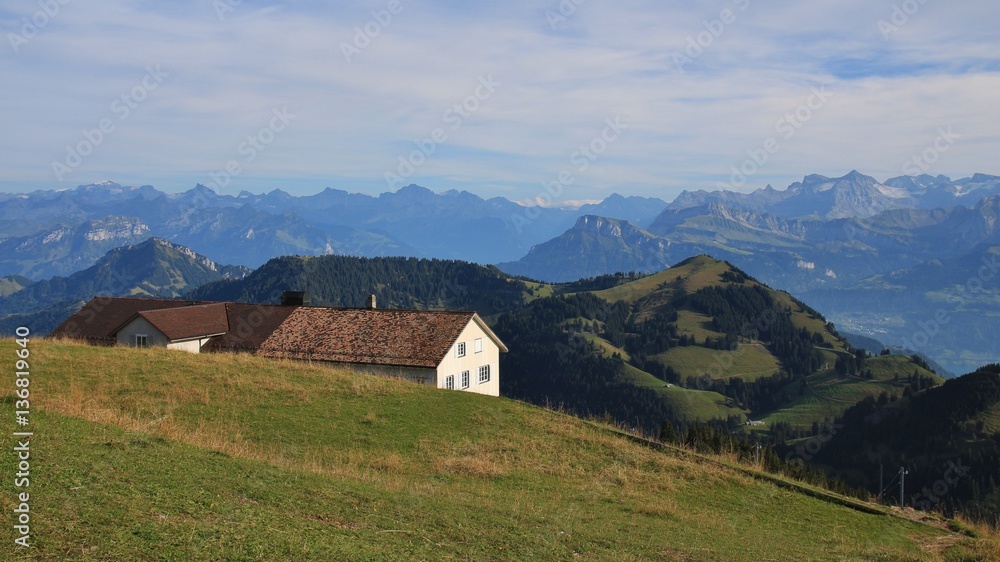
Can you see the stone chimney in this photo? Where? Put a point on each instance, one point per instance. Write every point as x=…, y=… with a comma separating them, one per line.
x=295, y=298
x=371, y=302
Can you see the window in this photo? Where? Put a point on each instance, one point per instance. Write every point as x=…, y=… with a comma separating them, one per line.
x=460, y=349
x=484, y=374
x=449, y=382
x=141, y=340
x=479, y=345
x=465, y=379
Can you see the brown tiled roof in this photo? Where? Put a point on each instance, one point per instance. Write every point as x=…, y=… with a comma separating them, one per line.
x=249, y=326
x=98, y=318
x=408, y=338
x=189, y=322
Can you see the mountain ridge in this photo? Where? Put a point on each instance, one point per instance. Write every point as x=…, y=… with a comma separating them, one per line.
x=153, y=268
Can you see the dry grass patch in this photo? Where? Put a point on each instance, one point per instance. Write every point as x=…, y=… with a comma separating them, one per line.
x=467, y=458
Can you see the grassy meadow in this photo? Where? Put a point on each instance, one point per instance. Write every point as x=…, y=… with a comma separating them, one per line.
x=160, y=455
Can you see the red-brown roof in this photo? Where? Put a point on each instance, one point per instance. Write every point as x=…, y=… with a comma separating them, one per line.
x=189, y=322
x=410, y=338
x=102, y=315
x=249, y=326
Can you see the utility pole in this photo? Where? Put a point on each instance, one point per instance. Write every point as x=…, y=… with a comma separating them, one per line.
x=902, y=480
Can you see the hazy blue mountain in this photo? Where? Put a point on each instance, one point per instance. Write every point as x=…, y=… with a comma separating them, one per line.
x=61, y=250
x=153, y=268
x=941, y=191
x=248, y=236
x=595, y=245
x=853, y=195
x=639, y=211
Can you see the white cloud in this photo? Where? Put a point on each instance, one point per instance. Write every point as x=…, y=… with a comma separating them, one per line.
x=354, y=120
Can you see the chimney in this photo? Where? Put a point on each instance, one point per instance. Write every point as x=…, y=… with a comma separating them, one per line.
x=371, y=302
x=295, y=298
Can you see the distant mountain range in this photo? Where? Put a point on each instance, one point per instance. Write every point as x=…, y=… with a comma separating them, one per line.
x=801, y=254
x=900, y=246
x=853, y=195
x=47, y=233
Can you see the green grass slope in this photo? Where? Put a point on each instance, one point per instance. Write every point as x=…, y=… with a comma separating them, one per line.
x=151, y=454
x=826, y=395
x=687, y=404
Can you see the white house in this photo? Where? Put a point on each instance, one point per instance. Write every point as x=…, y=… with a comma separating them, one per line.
x=446, y=349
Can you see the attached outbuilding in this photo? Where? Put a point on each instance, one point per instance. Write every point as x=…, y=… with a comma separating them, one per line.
x=187, y=328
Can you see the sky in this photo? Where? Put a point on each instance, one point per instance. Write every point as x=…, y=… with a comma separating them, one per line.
x=551, y=101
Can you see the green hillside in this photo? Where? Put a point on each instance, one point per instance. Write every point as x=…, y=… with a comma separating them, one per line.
x=153, y=454
x=826, y=395
x=729, y=347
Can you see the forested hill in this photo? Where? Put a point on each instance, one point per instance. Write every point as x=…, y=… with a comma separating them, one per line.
x=699, y=341
x=947, y=437
x=396, y=282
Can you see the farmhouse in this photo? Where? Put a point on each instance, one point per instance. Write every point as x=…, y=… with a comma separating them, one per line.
x=447, y=349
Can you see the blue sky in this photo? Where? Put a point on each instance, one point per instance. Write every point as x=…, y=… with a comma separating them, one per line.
x=499, y=99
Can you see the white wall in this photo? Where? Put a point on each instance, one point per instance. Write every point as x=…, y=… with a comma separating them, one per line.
x=453, y=365
x=154, y=337
x=191, y=346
